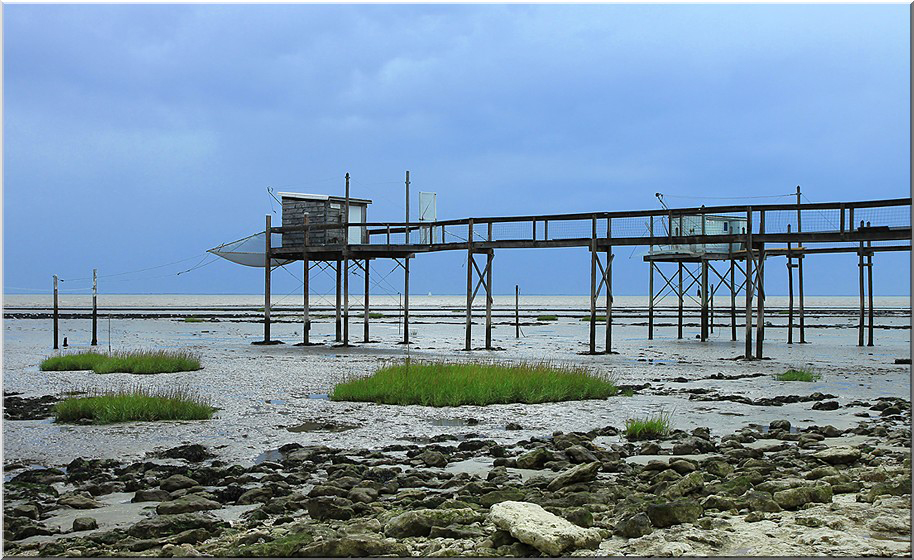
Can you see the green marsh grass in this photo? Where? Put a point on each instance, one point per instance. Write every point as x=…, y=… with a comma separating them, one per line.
x=798, y=374
x=474, y=383
x=598, y=318
x=193, y=320
x=375, y=315
x=657, y=425
x=139, y=361
x=547, y=318
x=136, y=404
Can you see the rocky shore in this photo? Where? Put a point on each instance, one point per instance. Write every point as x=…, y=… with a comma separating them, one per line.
x=763, y=490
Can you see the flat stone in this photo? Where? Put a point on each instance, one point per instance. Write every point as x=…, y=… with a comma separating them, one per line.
x=674, y=513
x=580, y=473
x=177, y=482
x=548, y=533
x=838, y=455
x=151, y=495
x=78, y=501
x=419, y=523
x=85, y=524
x=187, y=504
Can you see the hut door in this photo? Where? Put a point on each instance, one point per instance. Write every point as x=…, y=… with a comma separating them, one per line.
x=356, y=216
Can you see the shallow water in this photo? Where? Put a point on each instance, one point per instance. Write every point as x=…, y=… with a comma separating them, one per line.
x=262, y=390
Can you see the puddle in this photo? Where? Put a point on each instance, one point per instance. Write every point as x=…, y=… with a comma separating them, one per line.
x=455, y=422
x=275, y=401
x=320, y=396
x=273, y=455
x=320, y=427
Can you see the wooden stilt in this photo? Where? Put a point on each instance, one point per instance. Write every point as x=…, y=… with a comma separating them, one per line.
x=406, y=300
x=367, y=307
x=760, y=293
x=704, y=299
x=790, y=266
x=732, y=299
x=869, y=291
x=94, y=307
x=802, y=308
x=593, y=288
x=749, y=284
x=679, y=295
x=713, y=291
x=650, y=286
x=609, y=288
x=339, y=300
x=306, y=288
x=267, y=269
x=516, y=311
x=469, y=318
x=490, y=256
x=860, y=266
x=56, y=316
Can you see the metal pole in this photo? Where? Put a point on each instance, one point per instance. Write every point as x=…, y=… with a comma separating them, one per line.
x=94, y=307
x=266, y=280
x=56, y=316
x=306, y=288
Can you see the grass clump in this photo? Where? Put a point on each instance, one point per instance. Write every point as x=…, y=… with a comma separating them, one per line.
x=141, y=361
x=654, y=426
x=547, y=318
x=455, y=384
x=135, y=404
x=598, y=318
x=798, y=374
x=193, y=320
x=375, y=315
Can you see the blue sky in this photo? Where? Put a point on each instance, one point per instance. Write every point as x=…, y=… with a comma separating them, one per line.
x=136, y=136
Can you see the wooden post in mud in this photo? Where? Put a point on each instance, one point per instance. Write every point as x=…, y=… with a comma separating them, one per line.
x=802, y=308
x=732, y=296
x=490, y=256
x=406, y=225
x=860, y=266
x=267, y=261
x=469, y=326
x=760, y=291
x=346, y=266
x=593, y=288
x=516, y=311
x=56, y=316
x=94, y=307
x=367, y=290
x=679, y=296
x=406, y=300
x=339, y=301
x=789, y=290
x=609, y=287
x=869, y=290
x=650, y=286
x=749, y=284
x=704, y=298
x=306, y=288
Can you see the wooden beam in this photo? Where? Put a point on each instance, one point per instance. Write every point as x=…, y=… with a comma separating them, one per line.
x=268, y=259
x=306, y=288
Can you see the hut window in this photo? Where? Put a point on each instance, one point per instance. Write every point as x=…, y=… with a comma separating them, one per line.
x=725, y=226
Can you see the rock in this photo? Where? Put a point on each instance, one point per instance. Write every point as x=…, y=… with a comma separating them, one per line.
x=193, y=453
x=634, y=526
x=503, y=495
x=534, y=459
x=419, y=523
x=889, y=524
x=187, y=504
x=548, y=533
x=673, y=513
x=78, y=501
x=166, y=525
x=682, y=466
x=329, y=507
x=718, y=468
x=26, y=510
x=826, y=405
x=433, y=458
x=894, y=488
x=180, y=551
x=793, y=498
x=580, y=454
x=85, y=524
x=721, y=503
x=18, y=528
x=326, y=490
x=456, y=531
x=355, y=546
x=688, y=484
x=254, y=496
x=363, y=494
x=151, y=495
x=581, y=473
x=177, y=482
x=649, y=448
x=759, y=501
x=838, y=455
x=513, y=426
x=779, y=425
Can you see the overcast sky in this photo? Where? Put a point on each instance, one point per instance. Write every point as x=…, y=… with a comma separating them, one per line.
x=136, y=136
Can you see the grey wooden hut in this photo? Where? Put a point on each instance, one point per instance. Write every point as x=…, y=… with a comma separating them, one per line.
x=322, y=209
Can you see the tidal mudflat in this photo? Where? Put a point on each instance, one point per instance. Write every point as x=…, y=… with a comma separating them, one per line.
x=754, y=466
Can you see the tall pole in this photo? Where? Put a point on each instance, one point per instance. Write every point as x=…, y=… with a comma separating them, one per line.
x=732, y=296
x=749, y=284
x=339, y=299
x=516, y=311
x=367, y=290
x=469, y=326
x=679, y=295
x=789, y=291
x=609, y=287
x=306, y=288
x=406, y=300
x=860, y=266
x=346, y=267
x=94, y=307
x=266, y=280
x=800, y=270
x=704, y=299
x=869, y=289
x=593, y=288
x=406, y=227
x=760, y=291
x=650, y=288
x=490, y=256
x=56, y=316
